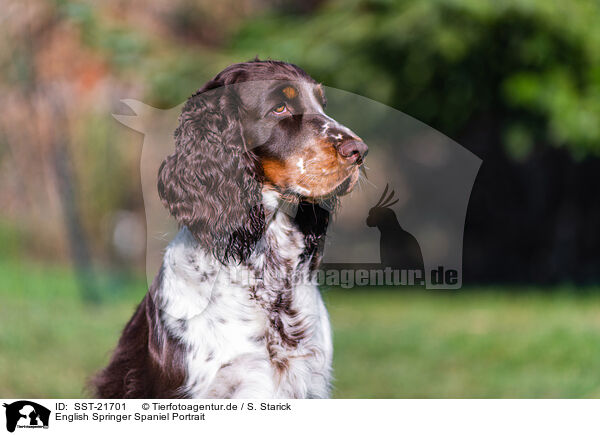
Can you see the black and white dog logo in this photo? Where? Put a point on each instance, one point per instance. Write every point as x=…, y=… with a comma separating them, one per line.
x=26, y=414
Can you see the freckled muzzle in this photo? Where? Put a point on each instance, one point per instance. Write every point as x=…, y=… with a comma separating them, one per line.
x=326, y=163
x=342, y=152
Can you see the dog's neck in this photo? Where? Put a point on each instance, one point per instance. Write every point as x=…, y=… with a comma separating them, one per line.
x=276, y=261
x=280, y=249
x=289, y=217
x=288, y=249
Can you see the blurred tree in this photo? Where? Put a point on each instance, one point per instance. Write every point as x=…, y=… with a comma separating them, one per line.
x=515, y=81
x=445, y=61
x=36, y=129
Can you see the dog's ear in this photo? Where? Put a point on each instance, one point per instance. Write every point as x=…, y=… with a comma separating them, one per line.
x=209, y=183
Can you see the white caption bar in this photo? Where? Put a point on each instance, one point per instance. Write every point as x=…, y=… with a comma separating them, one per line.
x=301, y=416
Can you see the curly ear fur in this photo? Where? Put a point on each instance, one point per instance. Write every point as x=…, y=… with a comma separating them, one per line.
x=209, y=183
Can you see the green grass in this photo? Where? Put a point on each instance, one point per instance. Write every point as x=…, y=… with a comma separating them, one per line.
x=50, y=340
x=465, y=344
x=388, y=343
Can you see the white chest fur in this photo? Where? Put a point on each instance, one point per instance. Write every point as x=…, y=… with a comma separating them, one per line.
x=255, y=330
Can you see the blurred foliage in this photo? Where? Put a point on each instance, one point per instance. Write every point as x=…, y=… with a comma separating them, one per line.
x=169, y=60
x=525, y=72
x=534, y=63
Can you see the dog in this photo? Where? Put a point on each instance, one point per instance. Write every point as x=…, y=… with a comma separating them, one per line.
x=232, y=312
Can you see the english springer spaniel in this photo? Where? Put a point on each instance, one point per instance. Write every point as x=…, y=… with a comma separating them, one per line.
x=233, y=312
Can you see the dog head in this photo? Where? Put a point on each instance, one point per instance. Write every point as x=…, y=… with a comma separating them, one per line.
x=256, y=125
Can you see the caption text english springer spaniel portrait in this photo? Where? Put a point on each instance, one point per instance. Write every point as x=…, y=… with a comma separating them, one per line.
x=255, y=174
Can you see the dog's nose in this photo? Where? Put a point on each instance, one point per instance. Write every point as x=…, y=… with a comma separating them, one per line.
x=353, y=149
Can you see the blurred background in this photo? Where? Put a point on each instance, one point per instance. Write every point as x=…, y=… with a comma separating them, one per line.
x=515, y=82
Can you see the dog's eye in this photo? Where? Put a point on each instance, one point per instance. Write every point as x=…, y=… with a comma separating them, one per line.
x=282, y=108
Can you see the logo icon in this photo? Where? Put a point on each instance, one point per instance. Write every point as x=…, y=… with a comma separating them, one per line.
x=398, y=248
x=26, y=414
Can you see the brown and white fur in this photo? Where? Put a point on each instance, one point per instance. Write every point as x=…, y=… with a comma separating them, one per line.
x=233, y=312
